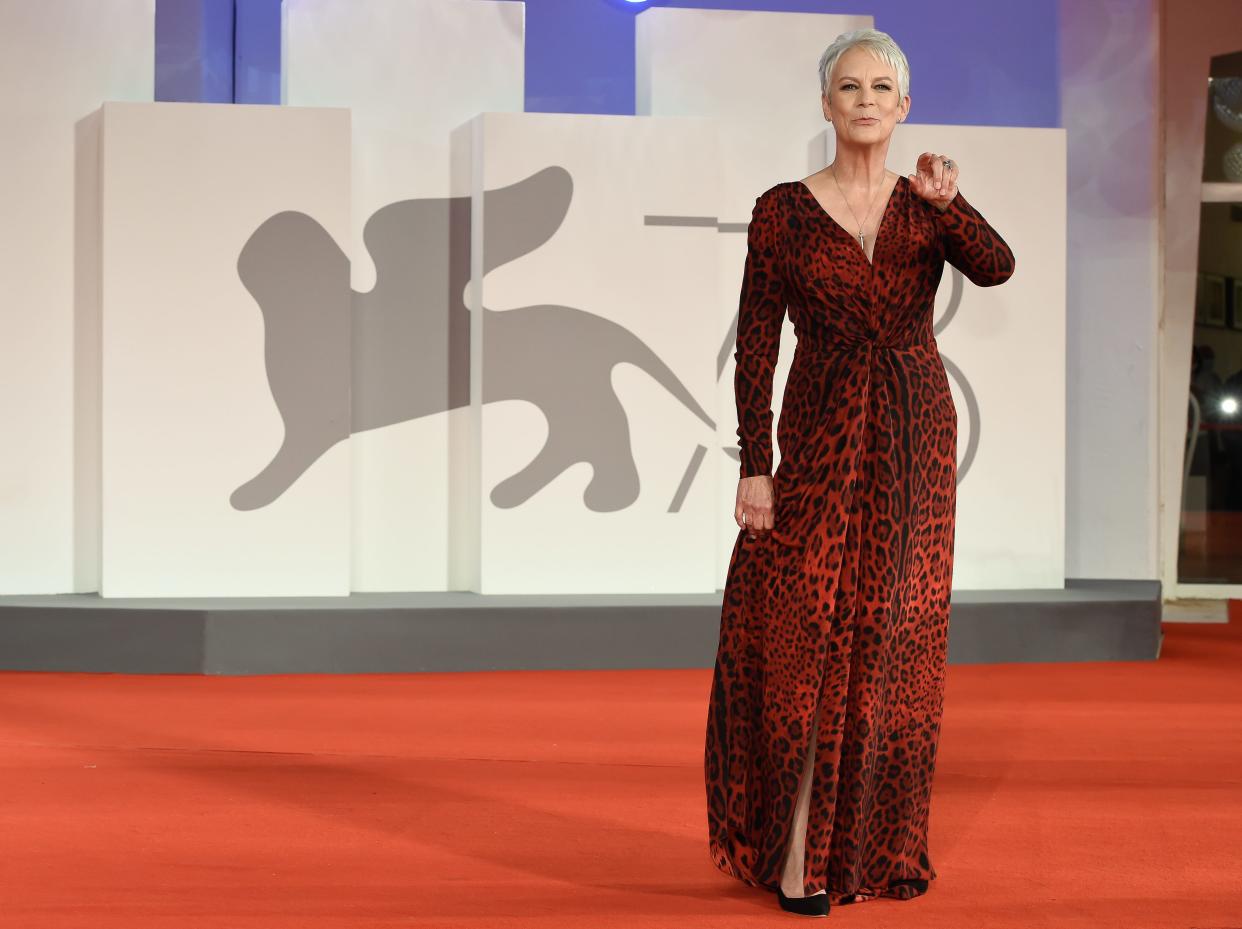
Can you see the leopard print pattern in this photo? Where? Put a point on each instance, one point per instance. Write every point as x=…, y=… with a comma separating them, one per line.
x=838, y=617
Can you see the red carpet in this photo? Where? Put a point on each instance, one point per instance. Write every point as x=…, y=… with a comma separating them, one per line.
x=1080, y=795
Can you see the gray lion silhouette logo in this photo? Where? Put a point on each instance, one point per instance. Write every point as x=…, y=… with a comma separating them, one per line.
x=408, y=339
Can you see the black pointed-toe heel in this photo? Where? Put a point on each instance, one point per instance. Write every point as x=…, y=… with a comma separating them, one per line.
x=815, y=905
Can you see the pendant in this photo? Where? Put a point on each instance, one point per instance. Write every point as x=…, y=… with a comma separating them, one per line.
x=862, y=240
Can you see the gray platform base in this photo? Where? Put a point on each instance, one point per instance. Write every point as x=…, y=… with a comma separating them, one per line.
x=1090, y=620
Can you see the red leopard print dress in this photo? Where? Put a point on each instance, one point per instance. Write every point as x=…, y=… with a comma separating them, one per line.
x=840, y=614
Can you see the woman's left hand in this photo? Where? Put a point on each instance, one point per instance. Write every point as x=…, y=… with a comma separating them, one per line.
x=934, y=182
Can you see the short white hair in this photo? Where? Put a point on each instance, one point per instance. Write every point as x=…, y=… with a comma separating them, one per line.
x=880, y=44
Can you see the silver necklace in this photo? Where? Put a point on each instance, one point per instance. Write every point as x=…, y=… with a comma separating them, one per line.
x=862, y=239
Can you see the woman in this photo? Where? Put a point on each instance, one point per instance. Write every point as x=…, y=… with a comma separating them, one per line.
x=826, y=699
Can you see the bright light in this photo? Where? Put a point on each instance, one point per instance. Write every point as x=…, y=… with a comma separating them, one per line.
x=1229, y=405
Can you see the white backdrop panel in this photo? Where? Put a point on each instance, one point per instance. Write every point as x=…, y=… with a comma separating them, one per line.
x=194, y=362
x=595, y=350
x=61, y=59
x=410, y=73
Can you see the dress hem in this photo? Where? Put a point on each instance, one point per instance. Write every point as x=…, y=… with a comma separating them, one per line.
x=840, y=897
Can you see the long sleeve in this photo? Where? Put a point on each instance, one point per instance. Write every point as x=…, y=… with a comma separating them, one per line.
x=761, y=311
x=971, y=244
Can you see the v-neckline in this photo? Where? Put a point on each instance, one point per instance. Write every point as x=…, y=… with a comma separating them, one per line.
x=878, y=229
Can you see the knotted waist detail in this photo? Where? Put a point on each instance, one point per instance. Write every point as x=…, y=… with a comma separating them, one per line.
x=844, y=342
x=847, y=375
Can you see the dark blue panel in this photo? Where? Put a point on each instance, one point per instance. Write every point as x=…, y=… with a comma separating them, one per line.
x=194, y=51
x=256, y=52
x=579, y=57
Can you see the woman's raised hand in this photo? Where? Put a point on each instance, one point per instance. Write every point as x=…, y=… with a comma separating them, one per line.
x=753, y=510
x=934, y=182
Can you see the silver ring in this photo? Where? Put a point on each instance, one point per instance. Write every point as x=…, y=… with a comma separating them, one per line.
x=948, y=164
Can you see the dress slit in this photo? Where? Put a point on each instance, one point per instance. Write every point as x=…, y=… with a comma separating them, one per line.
x=802, y=801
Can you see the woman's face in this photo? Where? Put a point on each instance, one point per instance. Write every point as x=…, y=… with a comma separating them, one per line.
x=861, y=100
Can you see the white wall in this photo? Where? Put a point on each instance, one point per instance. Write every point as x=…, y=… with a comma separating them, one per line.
x=83, y=54
x=1109, y=69
x=61, y=59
